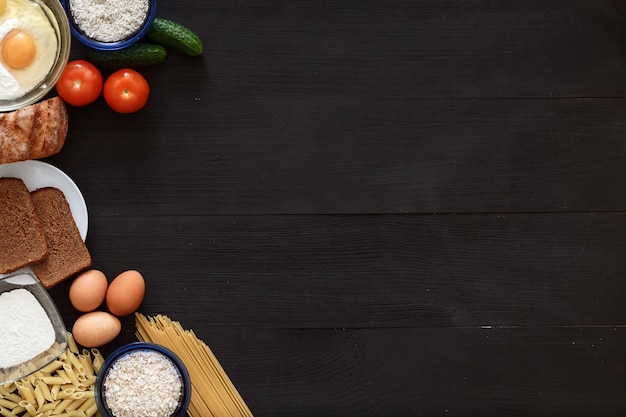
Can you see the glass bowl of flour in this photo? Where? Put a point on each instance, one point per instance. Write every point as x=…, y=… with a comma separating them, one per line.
x=35, y=43
x=32, y=332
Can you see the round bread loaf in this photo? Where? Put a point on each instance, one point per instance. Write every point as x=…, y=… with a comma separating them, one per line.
x=33, y=132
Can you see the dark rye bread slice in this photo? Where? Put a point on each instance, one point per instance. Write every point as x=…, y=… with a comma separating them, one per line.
x=21, y=237
x=68, y=253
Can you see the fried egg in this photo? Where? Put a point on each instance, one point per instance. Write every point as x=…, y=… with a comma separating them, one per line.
x=28, y=47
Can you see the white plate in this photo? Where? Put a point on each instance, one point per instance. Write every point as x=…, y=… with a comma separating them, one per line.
x=37, y=174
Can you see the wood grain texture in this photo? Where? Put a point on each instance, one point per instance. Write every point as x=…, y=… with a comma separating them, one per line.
x=436, y=372
x=461, y=371
x=373, y=271
x=308, y=107
x=307, y=157
x=407, y=49
x=372, y=208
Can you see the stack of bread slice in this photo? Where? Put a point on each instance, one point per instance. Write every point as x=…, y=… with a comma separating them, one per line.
x=39, y=231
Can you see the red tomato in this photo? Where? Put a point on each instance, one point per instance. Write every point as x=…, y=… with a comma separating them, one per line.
x=126, y=91
x=80, y=83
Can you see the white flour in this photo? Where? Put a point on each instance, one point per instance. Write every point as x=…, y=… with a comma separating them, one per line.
x=25, y=328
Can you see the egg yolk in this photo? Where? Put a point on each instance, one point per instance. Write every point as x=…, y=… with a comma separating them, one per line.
x=18, y=49
x=3, y=5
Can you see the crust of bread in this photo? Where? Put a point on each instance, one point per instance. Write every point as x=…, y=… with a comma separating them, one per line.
x=33, y=132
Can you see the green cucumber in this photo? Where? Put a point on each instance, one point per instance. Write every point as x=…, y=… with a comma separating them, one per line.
x=174, y=35
x=134, y=56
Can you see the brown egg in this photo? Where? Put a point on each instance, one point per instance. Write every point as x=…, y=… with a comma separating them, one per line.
x=96, y=329
x=125, y=293
x=88, y=290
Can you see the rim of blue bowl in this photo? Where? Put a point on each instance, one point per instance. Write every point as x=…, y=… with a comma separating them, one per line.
x=110, y=46
x=181, y=411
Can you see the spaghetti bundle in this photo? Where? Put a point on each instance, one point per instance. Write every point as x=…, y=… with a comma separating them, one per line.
x=212, y=393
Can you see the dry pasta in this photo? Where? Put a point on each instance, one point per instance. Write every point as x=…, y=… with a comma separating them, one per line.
x=212, y=392
x=98, y=360
x=65, y=387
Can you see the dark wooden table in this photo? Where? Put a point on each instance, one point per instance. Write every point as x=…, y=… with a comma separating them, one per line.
x=379, y=208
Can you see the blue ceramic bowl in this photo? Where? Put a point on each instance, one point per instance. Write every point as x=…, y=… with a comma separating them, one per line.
x=100, y=389
x=78, y=33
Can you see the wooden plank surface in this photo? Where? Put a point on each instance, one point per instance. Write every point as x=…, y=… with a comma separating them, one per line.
x=389, y=156
x=404, y=372
x=406, y=49
x=374, y=271
x=379, y=208
x=434, y=372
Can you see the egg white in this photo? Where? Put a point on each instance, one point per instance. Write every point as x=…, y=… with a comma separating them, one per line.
x=28, y=16
x=8, y=84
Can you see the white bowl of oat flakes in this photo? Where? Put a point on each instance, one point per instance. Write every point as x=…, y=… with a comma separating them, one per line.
x=109, y=24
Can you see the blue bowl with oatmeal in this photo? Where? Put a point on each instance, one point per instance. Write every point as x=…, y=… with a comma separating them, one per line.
x=143, y=379
x=109, y=24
